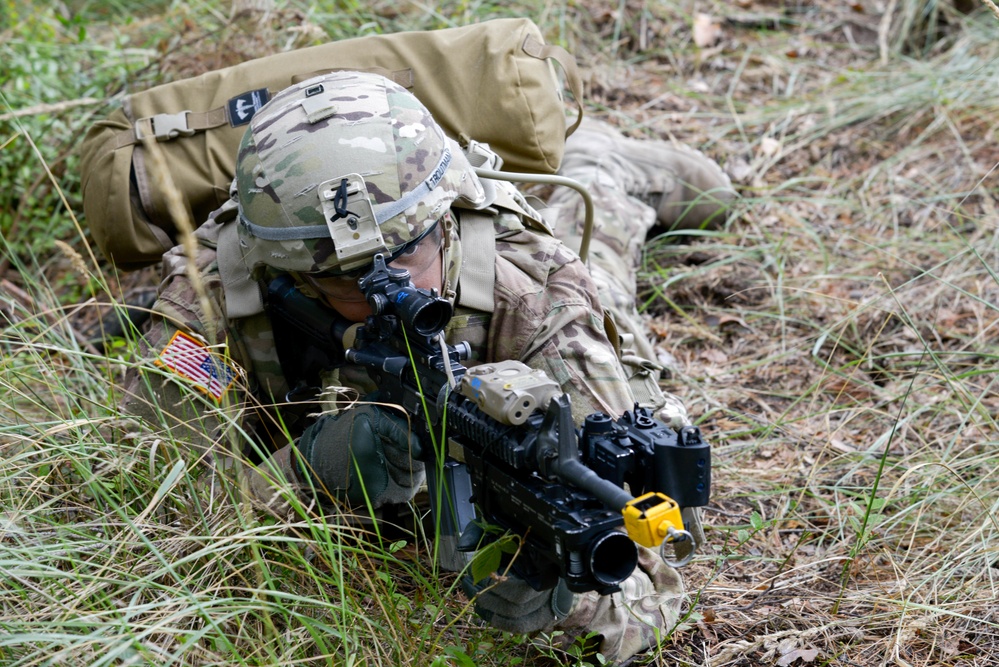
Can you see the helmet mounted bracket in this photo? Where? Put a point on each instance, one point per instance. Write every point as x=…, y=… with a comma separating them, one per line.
x=351, y=221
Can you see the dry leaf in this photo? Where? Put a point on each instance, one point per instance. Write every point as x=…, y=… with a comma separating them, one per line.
x=738, y=169
x=707, y=31
x=699, y=86
x=714, y=356
x=727, y=322
x=841, y=446
x=806, y=655
x=769, y=146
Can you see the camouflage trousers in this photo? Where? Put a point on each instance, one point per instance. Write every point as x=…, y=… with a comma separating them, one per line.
x=621, y=224
x=636, y=619
x=648, y=605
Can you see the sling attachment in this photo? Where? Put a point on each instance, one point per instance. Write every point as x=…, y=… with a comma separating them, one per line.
x=675, y=537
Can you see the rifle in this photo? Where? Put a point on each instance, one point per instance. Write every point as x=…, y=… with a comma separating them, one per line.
x=509, y=442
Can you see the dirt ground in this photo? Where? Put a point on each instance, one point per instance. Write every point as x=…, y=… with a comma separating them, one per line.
x=800, y=334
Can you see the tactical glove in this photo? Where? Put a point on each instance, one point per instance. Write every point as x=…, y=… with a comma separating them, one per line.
x=364, y=455
x=513, y=606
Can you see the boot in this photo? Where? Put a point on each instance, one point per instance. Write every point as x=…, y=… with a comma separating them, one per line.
x=687, y=189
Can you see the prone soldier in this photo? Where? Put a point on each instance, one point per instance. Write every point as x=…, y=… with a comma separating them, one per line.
x=346, y=166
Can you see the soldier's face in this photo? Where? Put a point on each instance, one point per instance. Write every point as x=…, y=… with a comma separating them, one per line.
x=424, y=261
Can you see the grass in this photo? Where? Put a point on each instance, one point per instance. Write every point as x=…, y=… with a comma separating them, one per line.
x=836, y=342
x=843, y=349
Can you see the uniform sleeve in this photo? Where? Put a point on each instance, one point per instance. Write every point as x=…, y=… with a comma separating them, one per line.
x=185, y=385
x=548, y=316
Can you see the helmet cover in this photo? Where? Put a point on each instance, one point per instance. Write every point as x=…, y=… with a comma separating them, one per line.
x=342, y=166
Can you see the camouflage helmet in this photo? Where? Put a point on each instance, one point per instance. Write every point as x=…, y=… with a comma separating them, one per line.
x=340, y=167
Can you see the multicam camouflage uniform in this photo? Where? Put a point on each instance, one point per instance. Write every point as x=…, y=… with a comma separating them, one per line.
x=548, y=312
x=638, y=188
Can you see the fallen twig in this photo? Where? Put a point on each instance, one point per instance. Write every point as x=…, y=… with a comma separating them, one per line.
x=50, y=108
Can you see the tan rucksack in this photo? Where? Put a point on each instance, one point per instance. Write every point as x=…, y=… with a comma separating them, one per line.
x=491, y=82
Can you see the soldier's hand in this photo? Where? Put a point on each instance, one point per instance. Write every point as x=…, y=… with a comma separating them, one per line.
x=512, y=605
x=366, y=455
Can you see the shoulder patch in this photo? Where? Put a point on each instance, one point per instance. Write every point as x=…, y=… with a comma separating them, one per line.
x=191, y=359
x=245, y=105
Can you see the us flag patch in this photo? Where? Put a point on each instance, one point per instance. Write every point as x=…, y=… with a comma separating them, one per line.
x=190, y=358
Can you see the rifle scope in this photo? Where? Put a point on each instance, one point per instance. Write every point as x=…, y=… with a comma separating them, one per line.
x=390, y=292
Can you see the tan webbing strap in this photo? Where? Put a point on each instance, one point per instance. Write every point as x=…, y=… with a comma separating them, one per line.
x=167, y=126
x=242, y=293
x=542, y=51
x=643, y=380
x=478, y=266
x=404, y=77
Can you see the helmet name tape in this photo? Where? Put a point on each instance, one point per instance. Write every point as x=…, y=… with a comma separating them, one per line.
x=438, y=174
x=391, y=209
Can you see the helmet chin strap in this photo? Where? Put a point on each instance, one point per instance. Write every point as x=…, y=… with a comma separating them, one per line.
x=451, y=254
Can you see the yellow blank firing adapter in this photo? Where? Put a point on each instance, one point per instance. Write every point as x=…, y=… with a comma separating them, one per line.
x=649, y=518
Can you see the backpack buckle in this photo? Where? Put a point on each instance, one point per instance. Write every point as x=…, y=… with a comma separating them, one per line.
x=163, y=126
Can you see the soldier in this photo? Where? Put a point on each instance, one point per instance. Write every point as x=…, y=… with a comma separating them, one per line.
x=348, y=145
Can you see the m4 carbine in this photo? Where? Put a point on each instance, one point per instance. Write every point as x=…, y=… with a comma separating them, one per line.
x=501, y=436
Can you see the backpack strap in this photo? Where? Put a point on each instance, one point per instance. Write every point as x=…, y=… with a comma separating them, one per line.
x=243, y=297
x=538, y=49
x=478, y=266
x=166, y=126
